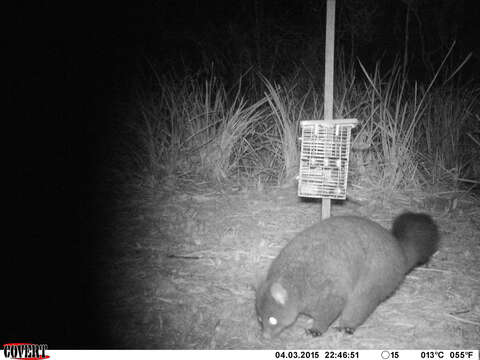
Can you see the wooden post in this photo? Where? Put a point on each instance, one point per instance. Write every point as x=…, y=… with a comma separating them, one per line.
x=329, y=65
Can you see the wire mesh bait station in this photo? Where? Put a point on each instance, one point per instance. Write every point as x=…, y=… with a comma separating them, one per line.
x=325, y=150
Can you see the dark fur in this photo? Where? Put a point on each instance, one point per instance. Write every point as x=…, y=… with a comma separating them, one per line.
x=343, y=266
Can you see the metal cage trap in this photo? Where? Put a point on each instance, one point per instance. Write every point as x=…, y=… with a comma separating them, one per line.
x=325, y=150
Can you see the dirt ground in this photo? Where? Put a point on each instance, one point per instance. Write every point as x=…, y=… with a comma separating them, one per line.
x=186, y=264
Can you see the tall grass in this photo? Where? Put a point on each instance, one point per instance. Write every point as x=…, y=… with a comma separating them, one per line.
x=287, y=111
x=415, y=133
x=446, y=143
x=410, y=134
x=188, y=128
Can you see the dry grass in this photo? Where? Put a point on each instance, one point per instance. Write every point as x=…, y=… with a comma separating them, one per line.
x=410, y=135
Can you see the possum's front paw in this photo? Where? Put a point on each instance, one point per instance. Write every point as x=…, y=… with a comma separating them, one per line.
x=313, y=332
x=346, y=330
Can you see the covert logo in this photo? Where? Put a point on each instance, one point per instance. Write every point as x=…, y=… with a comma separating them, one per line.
x=25, y=351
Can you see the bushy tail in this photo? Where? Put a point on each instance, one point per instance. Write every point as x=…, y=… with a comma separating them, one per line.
x=418, y=236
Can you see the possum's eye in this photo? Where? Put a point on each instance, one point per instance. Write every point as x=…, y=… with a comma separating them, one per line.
x=272, y=321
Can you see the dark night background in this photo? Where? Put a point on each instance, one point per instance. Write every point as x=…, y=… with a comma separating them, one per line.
x=71, y=69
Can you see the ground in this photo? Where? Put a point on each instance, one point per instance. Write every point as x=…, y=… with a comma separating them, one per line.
x=183, y=267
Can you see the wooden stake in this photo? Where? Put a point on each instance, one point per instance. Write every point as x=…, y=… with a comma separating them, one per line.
x=329, y=52
x=329, y=65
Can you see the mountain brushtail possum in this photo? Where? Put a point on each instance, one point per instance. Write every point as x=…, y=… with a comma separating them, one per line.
x=341, y=267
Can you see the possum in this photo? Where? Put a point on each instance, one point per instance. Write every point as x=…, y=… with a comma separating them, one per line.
x=341, y=267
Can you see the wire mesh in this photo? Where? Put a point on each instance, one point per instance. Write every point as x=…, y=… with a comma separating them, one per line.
x=325, y=149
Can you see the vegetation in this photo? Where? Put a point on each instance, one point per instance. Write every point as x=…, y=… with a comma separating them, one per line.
x=236, y=116
x=410, y=133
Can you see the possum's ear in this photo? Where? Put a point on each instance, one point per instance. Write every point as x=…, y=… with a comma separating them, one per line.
x=279, y=293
